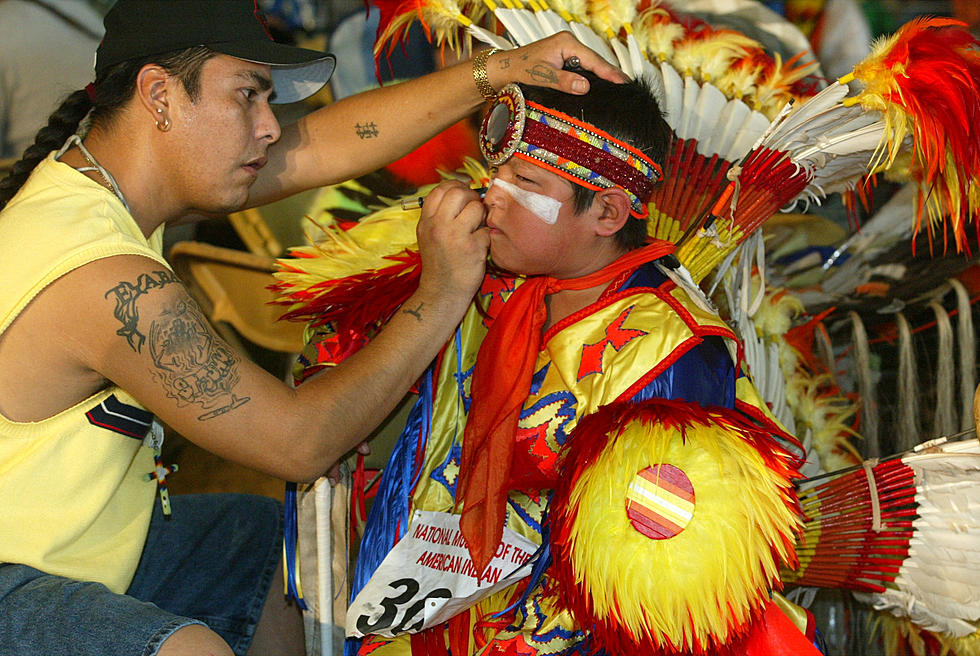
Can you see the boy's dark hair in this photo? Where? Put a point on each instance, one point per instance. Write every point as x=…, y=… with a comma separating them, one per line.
x=629, y=112
x=113, y=89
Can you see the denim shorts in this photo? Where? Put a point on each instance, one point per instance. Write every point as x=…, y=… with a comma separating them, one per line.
x=211, y=564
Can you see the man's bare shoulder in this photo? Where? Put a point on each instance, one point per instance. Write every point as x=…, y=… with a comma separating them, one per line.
x=152, y=338
x=62, y=341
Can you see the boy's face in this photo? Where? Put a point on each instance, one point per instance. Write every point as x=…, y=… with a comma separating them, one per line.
x=525, y=235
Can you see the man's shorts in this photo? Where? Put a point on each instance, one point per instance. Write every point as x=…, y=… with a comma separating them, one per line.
x=211, y=564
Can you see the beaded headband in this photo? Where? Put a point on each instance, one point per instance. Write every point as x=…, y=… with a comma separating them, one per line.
x=575, y=150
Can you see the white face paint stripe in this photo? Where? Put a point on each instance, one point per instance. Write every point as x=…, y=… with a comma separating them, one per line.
x=544, y=207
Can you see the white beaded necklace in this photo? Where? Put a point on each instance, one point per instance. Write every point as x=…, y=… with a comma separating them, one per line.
x=75, y=140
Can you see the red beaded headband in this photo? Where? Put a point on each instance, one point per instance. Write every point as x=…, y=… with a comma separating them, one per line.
x=580, y=152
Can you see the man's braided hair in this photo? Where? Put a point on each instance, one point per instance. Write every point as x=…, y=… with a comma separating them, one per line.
x=112, y=91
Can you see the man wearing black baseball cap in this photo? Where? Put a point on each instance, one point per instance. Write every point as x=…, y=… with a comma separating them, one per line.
x=98, y=336
x=142, y=28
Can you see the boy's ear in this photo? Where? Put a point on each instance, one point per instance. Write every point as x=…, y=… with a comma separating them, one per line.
x=614, y=211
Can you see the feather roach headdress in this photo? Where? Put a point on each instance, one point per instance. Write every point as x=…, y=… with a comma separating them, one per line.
x=747, y=141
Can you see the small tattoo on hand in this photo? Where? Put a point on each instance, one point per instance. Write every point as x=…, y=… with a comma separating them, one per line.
x=542, y=73
x=504, y=62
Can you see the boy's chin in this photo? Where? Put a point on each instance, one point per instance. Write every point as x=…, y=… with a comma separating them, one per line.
x=497, y=269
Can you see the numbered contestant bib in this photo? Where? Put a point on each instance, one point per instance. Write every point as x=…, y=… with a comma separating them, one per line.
x=428, y=577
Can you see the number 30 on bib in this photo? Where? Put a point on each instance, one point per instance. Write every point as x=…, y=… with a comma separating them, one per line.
x=428, y=577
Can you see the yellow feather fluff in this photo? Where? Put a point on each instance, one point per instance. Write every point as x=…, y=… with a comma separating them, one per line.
x=723, y=48
x=773, y=91
x=879, y=81
x=816, y=403
x=899, y=636
x=442, y=18
x=657, y=33
x=966, y=646
x=776, y=315
x=709, y=54
x=826, y=416
x=610, y=16
x=741, y=78
x=577, y=10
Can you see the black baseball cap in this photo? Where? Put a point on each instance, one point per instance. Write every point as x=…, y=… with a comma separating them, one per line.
x=143, y=28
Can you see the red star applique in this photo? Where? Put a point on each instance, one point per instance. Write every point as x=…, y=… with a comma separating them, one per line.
x=616, y=336
x=532, y=447
x=514, y=646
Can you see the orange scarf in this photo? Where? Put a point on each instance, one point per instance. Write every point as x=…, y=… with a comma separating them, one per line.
x=501, y=382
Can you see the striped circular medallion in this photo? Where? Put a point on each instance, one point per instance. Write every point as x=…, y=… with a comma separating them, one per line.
x=660, y=502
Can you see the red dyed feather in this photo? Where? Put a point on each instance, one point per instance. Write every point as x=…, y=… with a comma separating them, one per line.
x=929, y=72
x=447, y=151
x=388, y=11
x=357, y=306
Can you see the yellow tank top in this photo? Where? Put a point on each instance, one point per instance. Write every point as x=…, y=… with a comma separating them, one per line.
x=73, y=499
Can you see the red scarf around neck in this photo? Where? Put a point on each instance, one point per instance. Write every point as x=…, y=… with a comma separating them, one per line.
x=501, y=382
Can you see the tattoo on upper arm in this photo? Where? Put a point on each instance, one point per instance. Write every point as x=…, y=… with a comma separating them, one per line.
x=192, y=365
x=367, y=130
x=126, y=294
x=542, y=73
x=417, y=312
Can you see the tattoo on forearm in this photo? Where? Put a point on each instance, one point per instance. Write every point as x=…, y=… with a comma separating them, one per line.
x=503, y=62
x=417, y=312
x=367, y=130
x=192, y=365
x=126, y=294
x=542, y=73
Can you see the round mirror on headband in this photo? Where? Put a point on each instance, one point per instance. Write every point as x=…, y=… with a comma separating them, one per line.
x=503, y=125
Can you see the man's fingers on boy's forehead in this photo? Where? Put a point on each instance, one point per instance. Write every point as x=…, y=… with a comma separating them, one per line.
x=590, y=60
x=604, y=70
x=572, y=83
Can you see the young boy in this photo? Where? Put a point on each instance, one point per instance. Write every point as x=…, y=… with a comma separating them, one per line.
x=584, y=312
